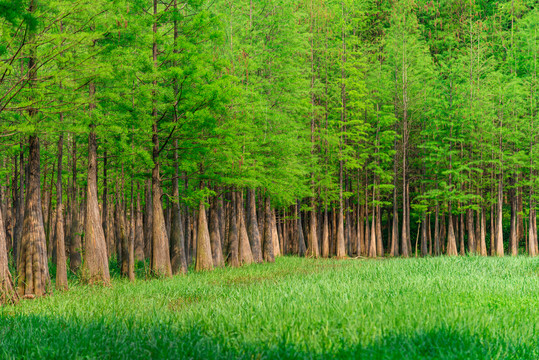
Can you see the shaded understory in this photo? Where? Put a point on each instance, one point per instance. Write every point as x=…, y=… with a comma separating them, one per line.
x=454, y=308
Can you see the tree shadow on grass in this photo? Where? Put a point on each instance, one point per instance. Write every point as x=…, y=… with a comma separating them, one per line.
x=38, y=337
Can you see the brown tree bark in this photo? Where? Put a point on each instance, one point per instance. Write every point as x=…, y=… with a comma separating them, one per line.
x=267, y=240
x=139, y=231
x=461, y=234
x=105, y=209
x=61, y=266
x=302, y=248
x=367, y=235
x=499, y=218
x=513, y=238
x=8, y=295
x=148, y=220
x=325, y=235
x=178, y=258
x=204, y=260
x=253, y=229
x=275, y=235
x=215, y=236
x=424, y=249
x=193, y=238
x=443, y=233
x=482, y=238
x=95, y=266
x=472, y=245
x=313, y=250
x=222, y=220
x=405, y=231
x=160, y=256
x=379, y=240
x=360, y=230
x=116, y=226
x=437, y=245
x=477, y=231
x=131, y=244
x=372, y=237
x=17, y=239
x=532, y=241
x=245, y=253
x=132, y=229
x=123, y=239
x=75, y=244
x=429, y=233
x=333, y=232
x=33, y=268
x=451, y=241
x=233, y=238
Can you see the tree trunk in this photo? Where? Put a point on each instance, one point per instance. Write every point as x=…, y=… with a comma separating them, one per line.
x=194, y=232
x=424, y=248
x=451, y=241
x=160, y=259
x=139, y=230
x=429, y=233
x=19, y=209
x=8, y=295
x=404, y=235
x=482, y=238
x=132, y=229
x=379, y=242
x=472, y=246
x=513, y=239
x=437, y=250
x=33, y=268
x=61, y=266
x=75, y=245
x=215, y=236
x=148, y=220
x=275, y=234
x=178, y=259
x=95, y=266
x=372, y=238
x=443, y=233
x=123, y=240
x=233, y=238
x=477, y=231
x=268, y=246
x=245, y=253
x=461, y=234
x=367, y=231
x=313, y=233
x=532, y=242
x=302, y=249
x=340, y=246
x=105, y=210
x=361, y=231
x=253, y=229
x=325, y=235
x=499, y=219
x=204, y=260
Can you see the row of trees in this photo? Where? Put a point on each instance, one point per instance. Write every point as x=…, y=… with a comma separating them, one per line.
x=231, y=132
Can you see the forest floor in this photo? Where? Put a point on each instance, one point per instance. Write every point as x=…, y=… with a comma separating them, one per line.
x=438, y=308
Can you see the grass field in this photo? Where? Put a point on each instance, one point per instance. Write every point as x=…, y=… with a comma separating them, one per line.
x=438, y=308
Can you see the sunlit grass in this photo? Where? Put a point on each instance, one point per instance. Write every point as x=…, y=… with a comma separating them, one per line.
x=459, y=308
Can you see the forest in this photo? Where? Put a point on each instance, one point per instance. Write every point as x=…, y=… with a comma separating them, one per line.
x=142, y=139
x=213, y=133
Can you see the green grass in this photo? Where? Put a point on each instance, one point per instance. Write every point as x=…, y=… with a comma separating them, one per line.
x=438, y=308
